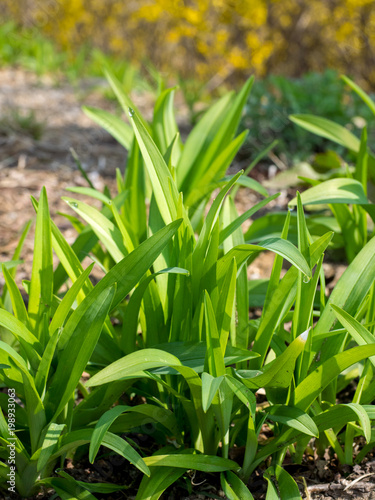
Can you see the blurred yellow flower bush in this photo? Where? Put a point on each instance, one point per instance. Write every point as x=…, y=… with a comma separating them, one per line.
x=215, y=39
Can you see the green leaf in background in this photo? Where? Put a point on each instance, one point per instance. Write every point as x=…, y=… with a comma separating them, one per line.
x=365, y=97
x=334, y=191
x=328, y=129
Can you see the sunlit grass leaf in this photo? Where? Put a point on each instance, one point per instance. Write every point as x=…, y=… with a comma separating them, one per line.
x=206, y=463
x=112, y=124
x=164, y=187
x=280, y=371
x=49, y=444
x=342, y=190
x=293, y=417
x=105, y=230
x=132, y=364
x=41, y=287
x=233, y=487
x=328, y=129
x=316, y=381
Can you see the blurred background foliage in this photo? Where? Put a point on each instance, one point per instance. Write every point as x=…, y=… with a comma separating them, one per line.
x=214, y=41
x=206, y=47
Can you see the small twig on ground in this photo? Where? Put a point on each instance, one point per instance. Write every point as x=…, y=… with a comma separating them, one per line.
x=355, y=481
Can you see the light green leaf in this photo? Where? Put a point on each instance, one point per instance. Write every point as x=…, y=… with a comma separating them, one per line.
x=104, y=229
x=280, y=371
x=112, y=124
x=342, y=190
x=234, y=488
x=328, y=129
x=293, y=417
x=206, y=463
x=132, y=364
x=49, y=444
x=287, y=487
x=80, y=344
x=210, y=386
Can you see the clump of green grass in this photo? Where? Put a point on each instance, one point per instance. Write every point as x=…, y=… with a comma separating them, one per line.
x=16, y=121
x=169, y=322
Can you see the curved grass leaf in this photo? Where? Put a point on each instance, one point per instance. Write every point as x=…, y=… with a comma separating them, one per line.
x=206, y=463
x=41, y=286
x=286, y=486
x=124, y=449
x=309, y=389
x=342, y=190
x=279, y=372
x=293, y=417
x=49, y=444
x=328, y=129
x=104, y=229
x=233, y=487
x=80, y=342
x=164, y=187
x=161, y=478
x=112, y=124
x=132, y=364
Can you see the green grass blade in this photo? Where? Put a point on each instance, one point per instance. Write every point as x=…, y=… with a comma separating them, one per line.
x=49, y=444
x=79, y=344
x=161, y=478
x=328, y=129
x=365, y=97
x=234, y=488
x=342, y=190
x=215, y=350
x=359, y=333
x=133, y=364
x=121, y=95
x=310, y=388
x=64, y=308
x=124, y=449
x=294, y=418
x=228, y=230
x=104, y=229
x=28, y=340
x=164, y=187
x=348, y=294
x=210, y=386
x=112, y=124
x=198, y=140
x=41, y=287
x=102, y=426
x=18, y=304
x=206, y=463
x=279, y=372
x=164, y=125
x=286, y=486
